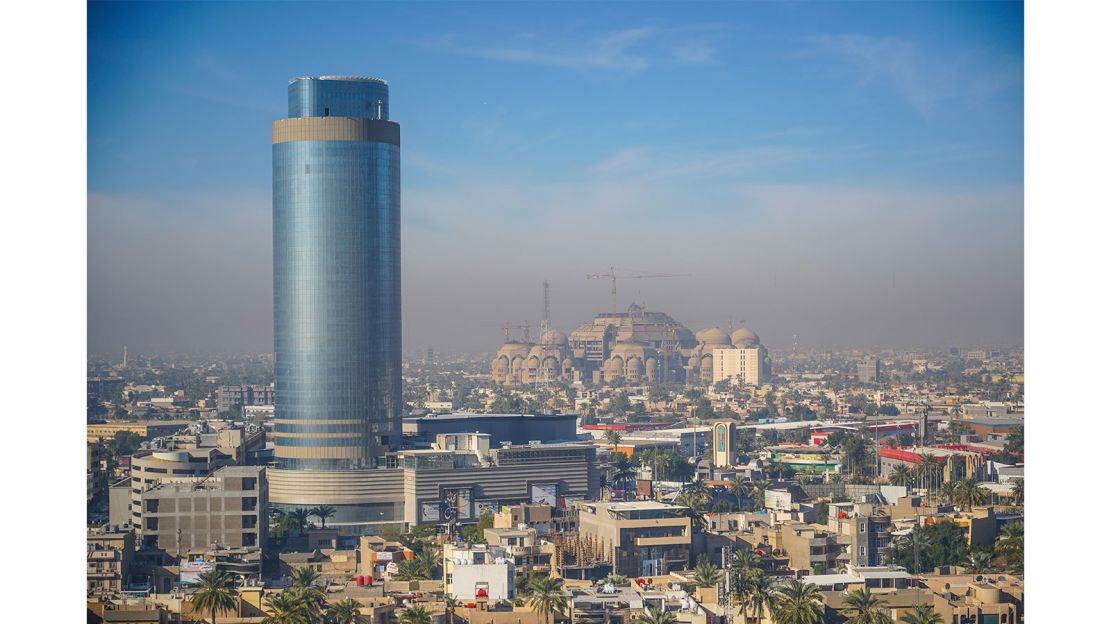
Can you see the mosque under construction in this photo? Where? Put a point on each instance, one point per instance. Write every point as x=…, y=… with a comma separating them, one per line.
x=635, y=347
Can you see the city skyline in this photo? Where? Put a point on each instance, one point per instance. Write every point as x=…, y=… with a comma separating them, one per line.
x=886, y=212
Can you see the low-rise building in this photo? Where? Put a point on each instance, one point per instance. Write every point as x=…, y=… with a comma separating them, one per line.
x=643, y=538
x=108, y=560
x=228, y=508
x=868, y=526
x=478, y=572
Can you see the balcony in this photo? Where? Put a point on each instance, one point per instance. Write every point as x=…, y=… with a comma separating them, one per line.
x=674, y=540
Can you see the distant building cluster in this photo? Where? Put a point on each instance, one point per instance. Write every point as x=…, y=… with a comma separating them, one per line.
x=634, y=347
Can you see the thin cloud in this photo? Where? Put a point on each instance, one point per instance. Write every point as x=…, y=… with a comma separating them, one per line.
x=922, y=79
x=655, y=163
x=629, y=50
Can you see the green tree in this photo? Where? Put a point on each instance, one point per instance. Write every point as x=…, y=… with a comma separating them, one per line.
x=901, y=475
x=476, y=533
x=922, y=614
x=345, y=612
x=300, y=517
x=740, y=488
x=323, y=512
x=758, y=595
x=797, y=602
x=284, y=608
x=415, y=614
x=412, y=571
x=1011, y=546
x=215, y=591
x=693, y=507
x=655, y=615
x=307, y=592
x=1019, y=492
x=970, y=494
x=705, y=573
x=124, y=443
x=545, y=596
x=866, y=608
x=978, y=561
x=613, y=437
x=450, y=603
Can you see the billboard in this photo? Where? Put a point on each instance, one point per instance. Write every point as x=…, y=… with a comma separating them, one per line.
x=190, y=570
x=545, y=494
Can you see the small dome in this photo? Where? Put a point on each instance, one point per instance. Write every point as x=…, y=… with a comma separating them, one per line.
x=712, y=336
x=512, y=349
x=554, y=337
x=745, y=337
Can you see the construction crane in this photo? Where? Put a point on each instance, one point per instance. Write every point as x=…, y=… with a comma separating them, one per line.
x=613, y=275
x=524, y=327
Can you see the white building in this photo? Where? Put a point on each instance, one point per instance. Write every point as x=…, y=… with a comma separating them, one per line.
x=745, y=366
x=479, y=571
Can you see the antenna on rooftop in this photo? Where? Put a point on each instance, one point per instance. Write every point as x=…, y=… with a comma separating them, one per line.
x=546, y=322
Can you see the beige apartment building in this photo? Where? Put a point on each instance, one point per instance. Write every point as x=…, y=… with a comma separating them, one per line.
x=642, y=538
x=228, y=508
x=867, y=526
x=108, y=560
x=745, y=366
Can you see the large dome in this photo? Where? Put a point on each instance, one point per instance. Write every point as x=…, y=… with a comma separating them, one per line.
x=745, y=337
x=554, y=337
x=712, y=336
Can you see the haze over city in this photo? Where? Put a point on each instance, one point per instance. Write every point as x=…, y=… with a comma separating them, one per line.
x=851, y=176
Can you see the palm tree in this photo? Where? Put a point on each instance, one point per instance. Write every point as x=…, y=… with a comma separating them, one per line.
x=415, y=614
x=427, y=557
x=345, y=612
x=300, y=517
x=759, y=492
x=411, y=571
x=693, y=507
x=978, y=561
x=698, y=488
x=450, y=603
x=948, y=491
x=306, y=590
x=922, y=614
x=613, y=437
x=969, y=493
x=901, y=475
x=1019, y=492
x=705, y=573
x=623, y=474
x=215, y=591
x=323, y=512
x=797, y=602
x=284, y=608
x=865, y=608
x=759, y=595
x=1011, y=545
x=655, y=615
x=740, y=488
x=545, y=596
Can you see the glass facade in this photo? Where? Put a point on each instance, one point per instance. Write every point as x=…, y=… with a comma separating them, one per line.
x=338, y=96
x=337, y=284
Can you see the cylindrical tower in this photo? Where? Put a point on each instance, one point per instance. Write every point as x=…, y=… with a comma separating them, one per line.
x=337, y=276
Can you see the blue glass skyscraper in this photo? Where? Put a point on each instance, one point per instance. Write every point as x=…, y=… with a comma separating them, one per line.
x=337, y=277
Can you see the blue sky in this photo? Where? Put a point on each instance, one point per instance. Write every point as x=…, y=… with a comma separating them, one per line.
x=850, y=173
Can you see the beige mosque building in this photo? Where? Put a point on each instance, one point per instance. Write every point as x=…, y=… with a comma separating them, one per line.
x=634, y=347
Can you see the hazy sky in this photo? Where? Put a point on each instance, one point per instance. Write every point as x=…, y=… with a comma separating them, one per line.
x=847, y=173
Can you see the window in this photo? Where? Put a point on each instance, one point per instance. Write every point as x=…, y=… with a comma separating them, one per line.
x=249, y=483
x=327, y=111
x=249, y=539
